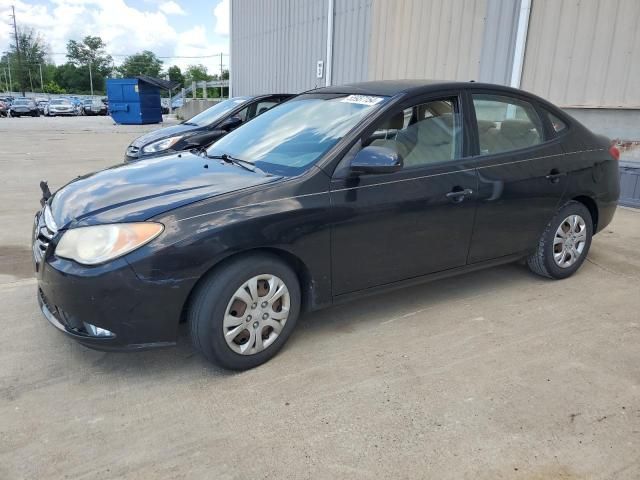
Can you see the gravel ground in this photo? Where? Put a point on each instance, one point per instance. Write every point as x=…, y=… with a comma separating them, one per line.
x=497, y=374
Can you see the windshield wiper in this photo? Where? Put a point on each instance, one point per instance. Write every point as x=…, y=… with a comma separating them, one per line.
x=236, y=161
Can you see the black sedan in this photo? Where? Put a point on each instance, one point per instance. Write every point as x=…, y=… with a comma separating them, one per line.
x=24, y=106
x=336, y=193
x=203, y=129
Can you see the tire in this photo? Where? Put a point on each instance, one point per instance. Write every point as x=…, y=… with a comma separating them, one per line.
x=216, y=299
x=554, y=258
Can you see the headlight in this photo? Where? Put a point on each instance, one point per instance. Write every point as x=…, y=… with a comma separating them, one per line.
x=101, y=243
x=161, y=144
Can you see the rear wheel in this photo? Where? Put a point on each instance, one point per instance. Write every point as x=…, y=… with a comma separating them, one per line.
x=565, y=243
x=244, y=312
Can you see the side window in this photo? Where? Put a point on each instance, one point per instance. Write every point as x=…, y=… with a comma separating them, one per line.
x=506, y=123
x=557, y=124
x=423, y=134
x=242, y=114
x=262, y=107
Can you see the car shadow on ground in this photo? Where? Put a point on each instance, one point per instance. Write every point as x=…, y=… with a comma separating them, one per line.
x=313, y=327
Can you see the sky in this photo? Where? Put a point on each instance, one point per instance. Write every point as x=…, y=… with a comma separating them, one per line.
x=169, y=28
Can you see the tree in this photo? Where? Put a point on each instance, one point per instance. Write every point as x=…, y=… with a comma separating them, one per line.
x=197, y=73
x=90, y=51
x=143, y=63
x=175, y=75
x=33, y=53
x=75, y=79
x=53, y=87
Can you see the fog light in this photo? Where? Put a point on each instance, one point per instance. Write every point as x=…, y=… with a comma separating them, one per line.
x=97, y=331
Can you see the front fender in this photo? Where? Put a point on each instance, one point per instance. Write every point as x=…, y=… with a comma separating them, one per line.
x=193, y=243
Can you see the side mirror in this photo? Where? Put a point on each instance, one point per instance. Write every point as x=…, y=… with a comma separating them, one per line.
x=230, y=123
x=374, y=159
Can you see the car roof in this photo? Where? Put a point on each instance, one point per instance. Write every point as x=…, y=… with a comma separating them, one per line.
x=392, y=88
x=267, y=95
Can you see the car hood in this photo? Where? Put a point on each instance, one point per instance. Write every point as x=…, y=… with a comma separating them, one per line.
x=141, y=190
x=166, y=132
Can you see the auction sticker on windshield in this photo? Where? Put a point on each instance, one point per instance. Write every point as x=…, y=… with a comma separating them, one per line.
x=362, y=99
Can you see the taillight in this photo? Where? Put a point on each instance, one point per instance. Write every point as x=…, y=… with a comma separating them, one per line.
x=614, y=152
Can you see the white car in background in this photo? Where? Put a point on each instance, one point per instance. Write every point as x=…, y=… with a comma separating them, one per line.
x=60, y=106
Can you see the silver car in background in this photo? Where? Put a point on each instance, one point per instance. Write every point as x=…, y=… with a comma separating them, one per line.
x=60, y=106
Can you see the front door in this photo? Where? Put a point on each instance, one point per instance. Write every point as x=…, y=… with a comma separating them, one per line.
x=392, y=227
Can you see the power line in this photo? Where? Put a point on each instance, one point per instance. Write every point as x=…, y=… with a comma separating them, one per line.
x=121, y=55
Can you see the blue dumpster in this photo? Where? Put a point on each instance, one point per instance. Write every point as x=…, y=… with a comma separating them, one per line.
x=134, y=101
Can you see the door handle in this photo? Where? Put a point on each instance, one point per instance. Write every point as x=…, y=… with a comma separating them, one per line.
x=554, y=176
x=458, y=194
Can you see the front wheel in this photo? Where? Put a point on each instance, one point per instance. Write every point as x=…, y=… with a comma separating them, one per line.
x=565, y=243
x=245, y=311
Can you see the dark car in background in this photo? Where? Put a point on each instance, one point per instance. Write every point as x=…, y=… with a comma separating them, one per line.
x=203, y=129
x=94, y=107
x=42, y=106
x=60, y=106
x=22, y=106
x=337, y=193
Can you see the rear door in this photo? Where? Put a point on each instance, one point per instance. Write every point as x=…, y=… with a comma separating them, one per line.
x=396, y=226
x=521, y=176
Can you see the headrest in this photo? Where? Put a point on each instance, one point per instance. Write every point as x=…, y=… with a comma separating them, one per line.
x=515, y=128
x=485, y=125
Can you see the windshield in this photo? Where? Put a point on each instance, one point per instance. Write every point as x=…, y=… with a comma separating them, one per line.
x=214, y=113
x=290, y=137
x=21, y=101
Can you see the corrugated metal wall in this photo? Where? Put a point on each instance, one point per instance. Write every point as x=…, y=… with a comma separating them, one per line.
x=584, y=53
x=498, y=41
x=276, y=45
x=351, y=32
x=426, y=39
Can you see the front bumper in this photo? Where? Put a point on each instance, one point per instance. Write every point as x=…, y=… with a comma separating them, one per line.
x=139, y=314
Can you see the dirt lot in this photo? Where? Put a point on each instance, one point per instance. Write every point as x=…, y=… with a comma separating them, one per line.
x=498, y=374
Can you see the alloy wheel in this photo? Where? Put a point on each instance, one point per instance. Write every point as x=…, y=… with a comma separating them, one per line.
x=256, y=314
x=569, y=241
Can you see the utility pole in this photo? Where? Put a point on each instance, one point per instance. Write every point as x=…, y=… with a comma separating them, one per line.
x=90, y=78
x=41, y=82
x=15, y=33
x=221, y=87
x=30, y=80
x=10, y=80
